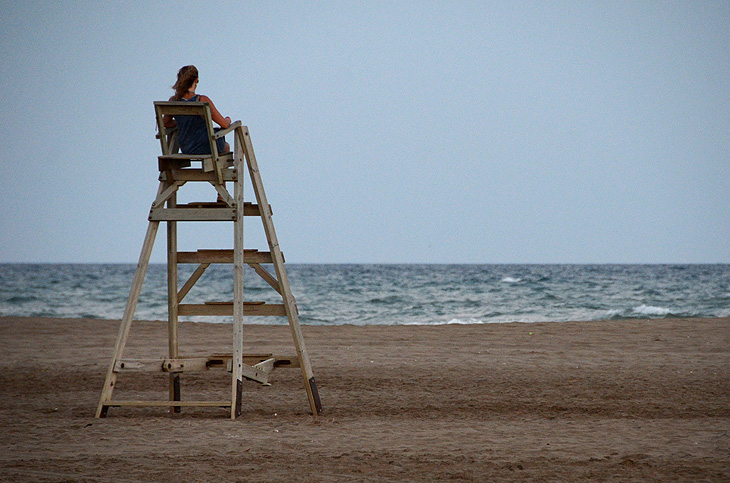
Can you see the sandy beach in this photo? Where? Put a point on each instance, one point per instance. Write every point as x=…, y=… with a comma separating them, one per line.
x=638, y=400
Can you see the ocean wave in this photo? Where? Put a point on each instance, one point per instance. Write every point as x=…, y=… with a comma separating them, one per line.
x=464, y=322
x=449, y=322
x=388, y=295
x=22, y=299
x=644, y=311
x=651, y=310
x=389, y=300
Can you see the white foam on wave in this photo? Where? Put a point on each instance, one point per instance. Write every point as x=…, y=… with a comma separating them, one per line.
x=450, y=322
x=651, y=310
x=511, y=280
x=464, y=322
x=723, y=312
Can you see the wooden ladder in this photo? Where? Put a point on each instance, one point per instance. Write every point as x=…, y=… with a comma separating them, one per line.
x=216, y=169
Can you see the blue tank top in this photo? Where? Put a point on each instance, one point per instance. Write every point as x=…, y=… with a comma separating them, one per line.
x=192, y=133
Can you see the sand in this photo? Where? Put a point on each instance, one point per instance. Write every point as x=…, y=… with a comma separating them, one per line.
x=640, y=400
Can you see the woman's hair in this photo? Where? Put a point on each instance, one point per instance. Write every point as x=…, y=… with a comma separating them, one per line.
x=185, y=78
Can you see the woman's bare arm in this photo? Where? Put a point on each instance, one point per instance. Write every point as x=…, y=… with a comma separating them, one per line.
x=223, y=122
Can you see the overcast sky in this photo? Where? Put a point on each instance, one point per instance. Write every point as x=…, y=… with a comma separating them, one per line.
x=395, y=132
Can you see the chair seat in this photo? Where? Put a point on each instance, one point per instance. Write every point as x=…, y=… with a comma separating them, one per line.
x=193, y=157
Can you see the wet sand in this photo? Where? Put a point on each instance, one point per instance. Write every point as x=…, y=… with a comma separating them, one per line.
x=639, y=400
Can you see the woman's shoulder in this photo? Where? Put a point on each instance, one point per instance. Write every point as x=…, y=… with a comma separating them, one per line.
x=202, y=98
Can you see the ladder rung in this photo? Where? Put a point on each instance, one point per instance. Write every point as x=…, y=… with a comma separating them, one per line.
x=198, y=364
x=196, y=175
x=194, y=157
x=192, y=214
x=249, y=209
x=227, y=302
x=223, y=256
x=202, y=211
x=223, y=309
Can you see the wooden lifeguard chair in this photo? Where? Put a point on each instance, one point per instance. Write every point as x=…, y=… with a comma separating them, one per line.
x=216, y=169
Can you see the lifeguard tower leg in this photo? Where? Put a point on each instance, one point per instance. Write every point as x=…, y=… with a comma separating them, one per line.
x=238, y=262
x=144, y=259
x=172, y=302
x=242, y=136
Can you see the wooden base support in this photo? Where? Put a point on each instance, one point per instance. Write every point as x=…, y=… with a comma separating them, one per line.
x=262, y=363
x=202, y=404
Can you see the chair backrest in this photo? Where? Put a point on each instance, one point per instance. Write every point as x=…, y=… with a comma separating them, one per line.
x=168, y=137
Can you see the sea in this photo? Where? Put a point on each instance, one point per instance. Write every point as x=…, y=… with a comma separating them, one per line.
x=365, y=294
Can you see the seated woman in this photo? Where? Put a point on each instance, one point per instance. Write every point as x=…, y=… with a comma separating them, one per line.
x=192, y=134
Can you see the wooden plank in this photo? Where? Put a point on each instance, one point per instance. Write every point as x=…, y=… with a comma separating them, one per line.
x=172, y=301
x=263, y=273
x=181, y=108
x=254, y=374
x=222, y=404
x=138, y=365
x=193, y=157
x=259, y=362
x=247, y=358
x=249, y=209
x=231, y=127
x=262, y=363
x=225, y=302
x=239, y=309
x=167, y=194
x=253, y=359
x=224, y=194
x=265, y=366
x=185, y=364
x=208, y=165
x=195, y=175
x=251, y=256
x=192, y=214
x=168, y=138
x=192, y=280
x=170, y=164
x=164, y=134
x=206, y=256
x=226, y=309
x=214, y=162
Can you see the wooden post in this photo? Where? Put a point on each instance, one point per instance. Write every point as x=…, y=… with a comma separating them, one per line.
x=172, y=302
x=238, y=263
